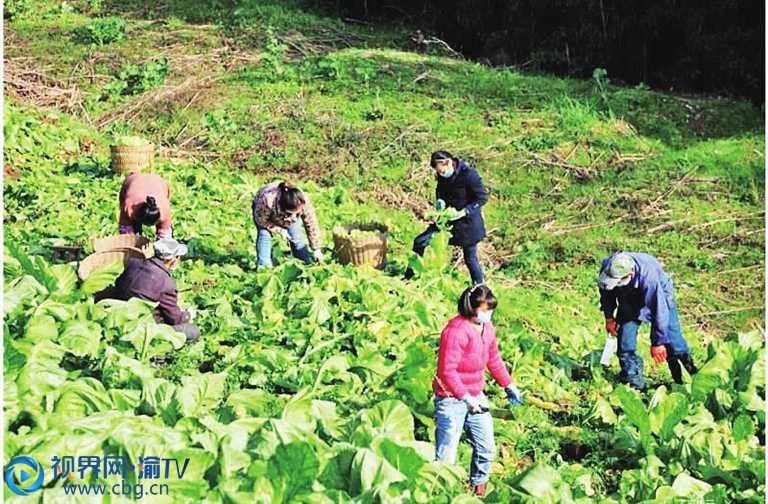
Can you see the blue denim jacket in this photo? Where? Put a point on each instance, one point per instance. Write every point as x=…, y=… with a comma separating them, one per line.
x=649, y=297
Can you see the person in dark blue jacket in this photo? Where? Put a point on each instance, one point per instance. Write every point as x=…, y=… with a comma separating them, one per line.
x=459, y=187
x=634, y=288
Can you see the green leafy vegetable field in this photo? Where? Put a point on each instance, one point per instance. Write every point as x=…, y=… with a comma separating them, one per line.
x=313, y=383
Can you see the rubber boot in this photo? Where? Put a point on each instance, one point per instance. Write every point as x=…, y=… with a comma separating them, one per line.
x=687, y=362
x=479, y=490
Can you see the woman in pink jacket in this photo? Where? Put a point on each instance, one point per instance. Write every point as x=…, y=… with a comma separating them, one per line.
x=145, y=200
x=467, y=347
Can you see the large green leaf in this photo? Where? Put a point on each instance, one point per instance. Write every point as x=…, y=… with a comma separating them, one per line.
x=101, y=278
x=119, y=370
x=667, y=413
x=636, y=413
x=687, y=486
x=81, y=338
x=543, y=483
x=390, y=419
x=151, y=339
x=403, y=458
x=86, y=396
x=200, y=394
x=19, y=293
x=337, y=473
x=41, y=328
x=41, y=374
x=369, y=470
x=743, y=428
x=160, y=397
x=292, y=470
x=327, y=418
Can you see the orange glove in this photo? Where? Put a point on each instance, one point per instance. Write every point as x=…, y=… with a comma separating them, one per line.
x=659, y=353
x=612, y=327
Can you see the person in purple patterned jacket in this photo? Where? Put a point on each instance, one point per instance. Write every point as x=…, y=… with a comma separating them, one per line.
x=281, y=208
x=151, y=279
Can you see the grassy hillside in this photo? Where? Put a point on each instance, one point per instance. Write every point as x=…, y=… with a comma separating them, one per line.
x=237, y=97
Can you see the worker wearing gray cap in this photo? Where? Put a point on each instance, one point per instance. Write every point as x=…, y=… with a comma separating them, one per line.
x=634, y=288
x=151, y=279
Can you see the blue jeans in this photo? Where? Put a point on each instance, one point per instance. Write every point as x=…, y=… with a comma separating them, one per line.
x=297, y=240
x=470, y=253
x=451, y=417
x=632, y=364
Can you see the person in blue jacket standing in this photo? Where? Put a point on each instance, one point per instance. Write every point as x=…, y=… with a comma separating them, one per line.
x=634, y=288
x=458, y=187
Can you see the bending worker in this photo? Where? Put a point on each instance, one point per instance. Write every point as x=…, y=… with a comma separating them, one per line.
x=634, y=288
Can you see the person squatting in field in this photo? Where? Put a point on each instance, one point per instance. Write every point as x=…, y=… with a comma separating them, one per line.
x=145, y=200
x=459, y=188
x=467, y=347
x=282, y=208
x=151, y=279
x=634, y=288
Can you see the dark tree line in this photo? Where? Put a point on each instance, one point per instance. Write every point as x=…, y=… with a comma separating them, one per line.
x=711, y=46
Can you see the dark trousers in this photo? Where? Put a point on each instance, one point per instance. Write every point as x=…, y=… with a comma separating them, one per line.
x=470, y=253
x=632, y=364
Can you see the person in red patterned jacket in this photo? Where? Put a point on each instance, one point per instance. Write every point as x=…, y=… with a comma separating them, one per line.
x=281, y=208
x=468, y=347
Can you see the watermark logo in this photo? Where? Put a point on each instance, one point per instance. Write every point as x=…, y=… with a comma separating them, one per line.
x=23, y=475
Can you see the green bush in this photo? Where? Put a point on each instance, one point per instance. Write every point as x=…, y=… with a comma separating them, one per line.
x=16, y=8
x=101, y=31
x=134, y=79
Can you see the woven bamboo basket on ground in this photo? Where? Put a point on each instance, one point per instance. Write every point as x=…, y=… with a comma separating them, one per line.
x=130, y=158
x=100, y=259
x=122, y=241
x=371, y=251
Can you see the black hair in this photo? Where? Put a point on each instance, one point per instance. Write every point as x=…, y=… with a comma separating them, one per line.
x=149, y=213
x=441, y=155
x=291, y=198
x=474, y=297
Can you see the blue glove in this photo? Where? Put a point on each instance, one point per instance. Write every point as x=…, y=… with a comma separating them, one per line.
x=514, y=396
x=439, y=204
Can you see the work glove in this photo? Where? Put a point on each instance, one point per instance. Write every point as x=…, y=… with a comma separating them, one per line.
x=659, y=353
x=284, y=233
x=456, y=214
x=513, y=395
x=318, y=254
x=473, y=405
x=439, y=204
x=612, y=327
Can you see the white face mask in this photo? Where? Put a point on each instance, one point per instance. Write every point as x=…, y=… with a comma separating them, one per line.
x=484, y=317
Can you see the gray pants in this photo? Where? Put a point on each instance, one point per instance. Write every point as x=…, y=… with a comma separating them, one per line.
x=190, y=331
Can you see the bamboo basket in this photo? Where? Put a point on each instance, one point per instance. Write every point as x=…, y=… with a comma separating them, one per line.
x=132, y=158
x=100, y=259
x=122, y=241
x=371, y=251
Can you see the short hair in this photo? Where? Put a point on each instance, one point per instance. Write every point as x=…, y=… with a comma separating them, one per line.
x=474, y=297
